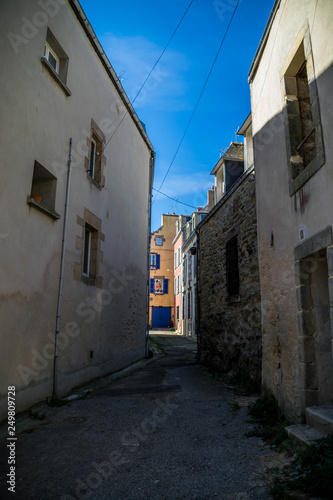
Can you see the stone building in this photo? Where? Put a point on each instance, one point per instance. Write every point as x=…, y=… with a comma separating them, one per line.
x=229, y=333
x=291, y=98
x=74, y=202
x=161, y=285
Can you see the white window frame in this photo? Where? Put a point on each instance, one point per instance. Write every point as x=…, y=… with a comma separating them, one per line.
x=92, y=161
x=153, y=261
x=86, y=252
x=162, y=288
x=47, y=51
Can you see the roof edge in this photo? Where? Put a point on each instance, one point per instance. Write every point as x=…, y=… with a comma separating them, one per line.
x=263, y=41
x=80, y=14
x=242, y=130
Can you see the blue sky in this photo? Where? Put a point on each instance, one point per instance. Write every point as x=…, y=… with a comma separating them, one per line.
x=133, y=35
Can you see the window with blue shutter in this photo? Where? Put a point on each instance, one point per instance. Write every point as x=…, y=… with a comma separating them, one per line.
x=165, y=286
x=151, y=287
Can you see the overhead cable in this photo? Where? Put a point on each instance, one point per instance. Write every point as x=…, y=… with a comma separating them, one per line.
x=149, y=74
x=199, y=98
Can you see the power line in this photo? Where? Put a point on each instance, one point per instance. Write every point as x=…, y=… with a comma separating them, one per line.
x=150, y=72
x=174, y=199
x=199, y=98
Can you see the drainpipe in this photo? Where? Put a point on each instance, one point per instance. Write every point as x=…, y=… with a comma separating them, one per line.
x=62, y=262
x=151, y=178
x=197, y=308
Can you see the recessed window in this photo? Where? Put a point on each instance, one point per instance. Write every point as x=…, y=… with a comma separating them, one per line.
x=232, y=171
x=92, y=158
x=90, y=252
x=232, y=271
x=87, y=251
x=158, y=241
x=304, y=141
x=88, y=242
x=95, y=160
x=43, y=190
x=55, y=60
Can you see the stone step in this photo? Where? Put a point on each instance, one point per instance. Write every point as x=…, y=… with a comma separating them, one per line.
x=303, y=433
x=321, y=418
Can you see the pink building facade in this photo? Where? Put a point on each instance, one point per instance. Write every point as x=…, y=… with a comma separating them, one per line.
x=178, y=277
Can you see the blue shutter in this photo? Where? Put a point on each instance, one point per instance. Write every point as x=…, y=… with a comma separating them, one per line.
x=165, y=286
x=158, y=261
x=151, y=288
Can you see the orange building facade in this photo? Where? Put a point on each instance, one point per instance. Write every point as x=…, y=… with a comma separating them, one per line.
x=161, y=283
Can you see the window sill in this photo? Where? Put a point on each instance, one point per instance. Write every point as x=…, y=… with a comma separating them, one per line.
x=307, y=173
x=55, y=75
x=42, y=208
x=92, y=280
x=233, y=299
x=94, y=182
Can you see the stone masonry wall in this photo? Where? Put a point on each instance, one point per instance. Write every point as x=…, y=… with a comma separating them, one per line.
x=230, y=327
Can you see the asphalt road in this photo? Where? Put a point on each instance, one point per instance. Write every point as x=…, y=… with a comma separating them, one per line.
x=166, y=431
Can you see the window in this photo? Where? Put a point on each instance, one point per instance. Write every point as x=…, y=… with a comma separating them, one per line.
x=52, y=57
x=43, y=191
x=55, y=60
x=154, y=261
x=232, y=171
x=96, y=160
x=92, y=162
x=189, y=305
x=159, y=286
x=176, y=262
x=88, y=242
x=177, y=313
x=232, y=271
x=158, y=241
x=185, y=269
x=189, y=267
x=87, y=252
x=90, y=252
x=304, y=141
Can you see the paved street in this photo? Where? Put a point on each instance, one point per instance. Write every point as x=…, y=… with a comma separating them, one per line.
x=166, y=431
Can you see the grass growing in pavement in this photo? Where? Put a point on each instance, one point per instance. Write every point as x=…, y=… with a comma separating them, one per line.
x=315, y=466
x=312, y=468
x=270, y=423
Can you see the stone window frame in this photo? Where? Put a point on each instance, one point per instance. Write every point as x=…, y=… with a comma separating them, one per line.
x=292, y=122
x=97, y=138
x=93, y=224
x=305, y=253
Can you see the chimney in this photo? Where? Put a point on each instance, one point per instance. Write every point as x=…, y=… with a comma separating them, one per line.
x=210, y=198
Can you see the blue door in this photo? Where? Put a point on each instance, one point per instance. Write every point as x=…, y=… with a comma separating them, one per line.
x=161, y=317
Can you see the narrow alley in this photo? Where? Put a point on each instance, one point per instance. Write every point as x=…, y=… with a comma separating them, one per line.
x=169, y=430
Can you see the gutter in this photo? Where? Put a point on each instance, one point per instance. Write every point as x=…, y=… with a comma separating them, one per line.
x=263, y=41
x=150, y=196
x=61, y=276
x=79, y=12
